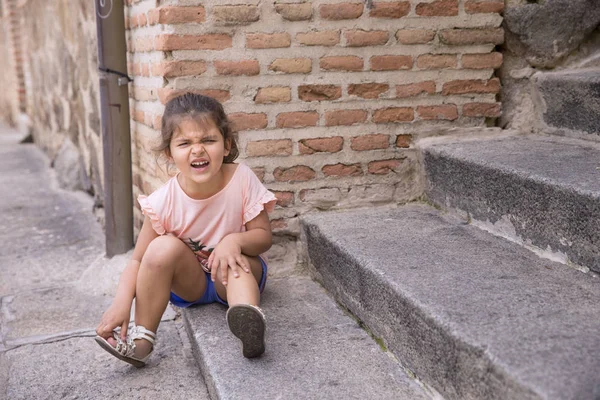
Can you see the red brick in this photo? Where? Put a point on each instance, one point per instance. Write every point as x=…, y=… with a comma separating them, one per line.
x=299, y=173
x=278, y=224
x=236, y=14
x=383, y=167
x=341, y=11
x=415, y=89
x=145, y=70
x=319, y=92
x=345, y=117
x=297, y=119
x=391, y=63
x=142, y=20
x=394, y=114
x=259, y=172
x=273, y=95
x=166, y=94
x=447, y=112
x=192, y=42
x=153, y=16
x=489, y=110
x=482, y=61
x=341, y=63
x=370, y=142
x=479, y=6
x=437, y=61
x=360, y=38
x=244, y=67
x=139, y=116
x=415, y=36
x=284, y=199
x=440, y=8
x=472, y=36
x=180, y=15
x=268, y=40
x=294, y=12
x=368, y=90
x=261, y=148
x=389, y=9
x=179, y=68
x=471, y=86
x=244, y=121
x=291, y=65
x=143, y=44
x=403, y=141
x=324, y=38
x=342, y=170
x=321, y=145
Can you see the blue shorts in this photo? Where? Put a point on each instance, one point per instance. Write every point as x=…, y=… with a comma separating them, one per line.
x=210, y=294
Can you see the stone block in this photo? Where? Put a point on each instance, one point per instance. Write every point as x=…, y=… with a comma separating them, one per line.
x=473, y=315
x=313, y=351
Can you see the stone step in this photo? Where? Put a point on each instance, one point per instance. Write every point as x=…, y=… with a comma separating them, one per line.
x=540, y=191
x=314, y=351
x=571, y=99
x=473, y=315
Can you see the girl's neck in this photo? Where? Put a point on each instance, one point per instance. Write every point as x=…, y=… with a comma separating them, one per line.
x=203, y=191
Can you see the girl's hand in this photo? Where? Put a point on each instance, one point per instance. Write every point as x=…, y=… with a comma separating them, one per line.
x=117, y=315
x=227, y=254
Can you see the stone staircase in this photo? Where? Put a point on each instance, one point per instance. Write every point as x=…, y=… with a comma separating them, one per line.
x=487, y=291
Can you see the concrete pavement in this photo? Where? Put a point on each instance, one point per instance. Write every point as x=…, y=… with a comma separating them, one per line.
x=54, y=285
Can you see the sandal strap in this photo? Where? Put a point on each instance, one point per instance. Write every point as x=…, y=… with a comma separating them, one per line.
x=140, y=332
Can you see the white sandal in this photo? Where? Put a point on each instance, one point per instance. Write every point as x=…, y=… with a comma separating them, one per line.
x=125, y=350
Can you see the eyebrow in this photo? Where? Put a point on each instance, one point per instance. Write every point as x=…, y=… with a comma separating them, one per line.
x=185, y=137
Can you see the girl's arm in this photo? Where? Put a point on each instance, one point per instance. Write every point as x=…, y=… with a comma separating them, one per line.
x=118, y=313
x=256, y=240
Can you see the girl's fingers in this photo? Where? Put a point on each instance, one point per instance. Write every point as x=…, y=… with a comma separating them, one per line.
x=234, y=267
x=223, y=268
x=210, y=261
x=242, y=263
x=124, y=329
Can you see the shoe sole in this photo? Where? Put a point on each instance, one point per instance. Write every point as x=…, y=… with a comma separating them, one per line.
x=106, y=346
x=248, y=325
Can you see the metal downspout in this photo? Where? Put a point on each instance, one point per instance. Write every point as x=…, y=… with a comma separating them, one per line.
x=116, y=139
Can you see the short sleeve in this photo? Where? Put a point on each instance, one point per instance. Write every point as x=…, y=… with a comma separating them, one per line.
x=148, y=210
x=256, y=196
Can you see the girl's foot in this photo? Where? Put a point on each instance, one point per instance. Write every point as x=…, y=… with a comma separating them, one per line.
x=134, y=350
x=247, y=322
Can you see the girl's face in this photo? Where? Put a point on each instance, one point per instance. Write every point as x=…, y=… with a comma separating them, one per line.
x=197, y=148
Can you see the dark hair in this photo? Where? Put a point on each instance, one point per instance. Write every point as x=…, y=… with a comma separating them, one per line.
x=197, y=107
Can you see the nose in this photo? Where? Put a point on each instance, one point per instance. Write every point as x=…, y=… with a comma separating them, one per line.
x=197, y=148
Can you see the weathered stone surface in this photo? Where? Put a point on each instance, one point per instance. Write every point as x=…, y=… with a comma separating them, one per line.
x=48, y=244
x=546, y=31
x=474, y=315
x=77, y=368
x=542, y=191
x=571, y=99
x=314, y=351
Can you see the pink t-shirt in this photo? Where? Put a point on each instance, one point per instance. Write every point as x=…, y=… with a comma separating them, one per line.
x=202, y=224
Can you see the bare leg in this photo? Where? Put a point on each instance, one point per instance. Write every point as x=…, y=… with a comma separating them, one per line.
x=168, y=264
x=243, y=289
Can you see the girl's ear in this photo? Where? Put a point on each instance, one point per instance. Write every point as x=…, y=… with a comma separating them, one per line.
x=227, y=146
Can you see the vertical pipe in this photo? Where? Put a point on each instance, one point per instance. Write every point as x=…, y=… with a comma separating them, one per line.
x=112, y=63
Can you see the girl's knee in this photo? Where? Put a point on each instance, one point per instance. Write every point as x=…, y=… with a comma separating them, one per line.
x=163, y=252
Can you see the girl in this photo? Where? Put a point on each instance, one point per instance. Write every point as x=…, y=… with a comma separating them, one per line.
x=201, y=239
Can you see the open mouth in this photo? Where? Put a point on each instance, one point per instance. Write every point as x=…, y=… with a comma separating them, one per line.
x=199, y=164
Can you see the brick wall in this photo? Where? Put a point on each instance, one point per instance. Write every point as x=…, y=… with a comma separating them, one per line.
x=326, y=96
